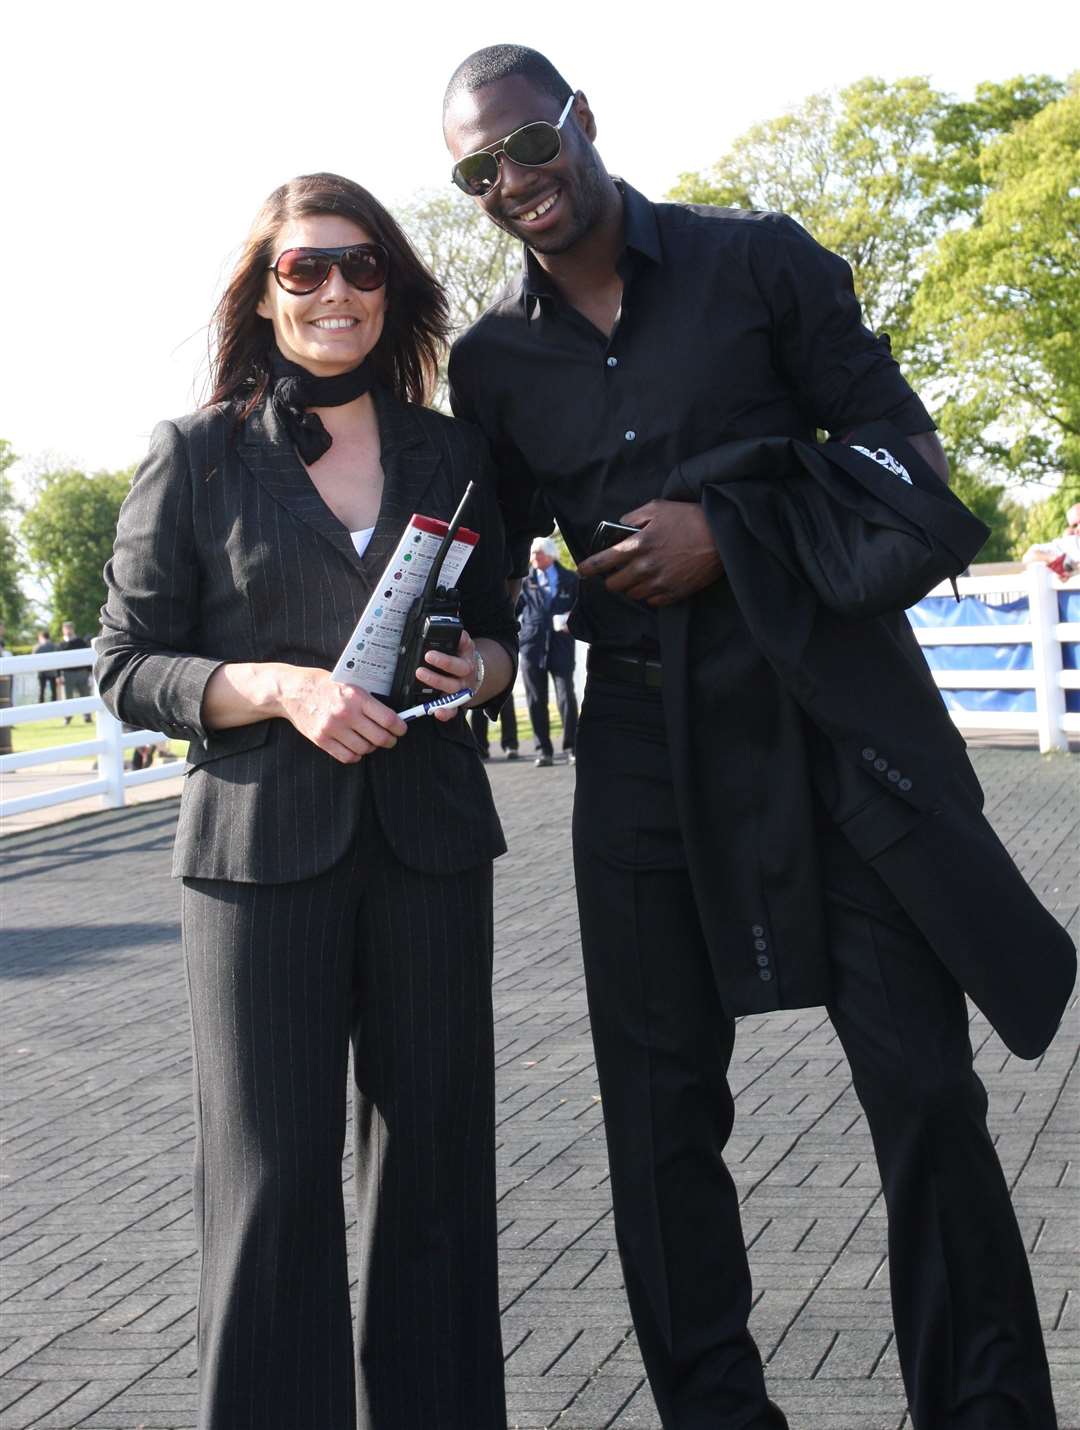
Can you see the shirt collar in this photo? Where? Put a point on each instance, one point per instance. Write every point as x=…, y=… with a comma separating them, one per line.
x=641, y=235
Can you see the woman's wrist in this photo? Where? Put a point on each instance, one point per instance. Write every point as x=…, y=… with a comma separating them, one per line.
x=244, y=692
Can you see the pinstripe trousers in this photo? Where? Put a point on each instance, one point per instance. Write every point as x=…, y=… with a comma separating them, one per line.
x=282, y=977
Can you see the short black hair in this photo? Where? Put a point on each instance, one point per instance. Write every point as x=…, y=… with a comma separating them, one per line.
x=484, y=67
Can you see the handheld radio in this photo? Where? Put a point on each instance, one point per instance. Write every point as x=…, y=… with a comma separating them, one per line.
x=433, y=622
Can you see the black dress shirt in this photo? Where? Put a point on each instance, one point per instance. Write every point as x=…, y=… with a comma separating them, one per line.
x=733, y=323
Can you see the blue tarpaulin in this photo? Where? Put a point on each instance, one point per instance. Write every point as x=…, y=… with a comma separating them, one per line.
x=971, y=611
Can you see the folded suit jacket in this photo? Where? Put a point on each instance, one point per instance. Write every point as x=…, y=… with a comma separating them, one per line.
x=796, y=683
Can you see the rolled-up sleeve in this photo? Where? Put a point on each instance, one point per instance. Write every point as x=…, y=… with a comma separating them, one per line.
x=844, y=374
x=146, y=672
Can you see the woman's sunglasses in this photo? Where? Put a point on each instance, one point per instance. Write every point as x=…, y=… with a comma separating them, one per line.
x=302, y=270
x=532, y=146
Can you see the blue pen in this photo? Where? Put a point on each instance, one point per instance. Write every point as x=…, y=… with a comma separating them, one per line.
x=441, y=702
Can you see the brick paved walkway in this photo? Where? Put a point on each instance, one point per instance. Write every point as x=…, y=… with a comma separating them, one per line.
x=98, y=1270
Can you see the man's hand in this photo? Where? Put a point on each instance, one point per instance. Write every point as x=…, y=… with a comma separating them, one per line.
x=672, y=556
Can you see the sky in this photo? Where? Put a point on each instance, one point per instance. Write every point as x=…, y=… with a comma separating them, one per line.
x=140, y=139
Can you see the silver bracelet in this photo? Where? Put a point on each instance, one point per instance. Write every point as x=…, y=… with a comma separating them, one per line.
x=478, y=678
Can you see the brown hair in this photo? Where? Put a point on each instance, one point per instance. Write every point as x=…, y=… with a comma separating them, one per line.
x=417, y=320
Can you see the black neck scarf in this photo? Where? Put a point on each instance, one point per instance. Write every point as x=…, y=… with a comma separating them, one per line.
x=293, y=389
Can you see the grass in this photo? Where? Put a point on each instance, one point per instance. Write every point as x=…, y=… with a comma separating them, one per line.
x=45, y=733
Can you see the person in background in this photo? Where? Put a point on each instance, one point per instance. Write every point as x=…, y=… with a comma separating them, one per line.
x=547, y=597
x=76, y=677
x=1062, y=554
x=336, y=861
x=49, y=681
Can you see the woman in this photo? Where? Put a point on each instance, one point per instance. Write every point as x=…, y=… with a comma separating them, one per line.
x=336, y=863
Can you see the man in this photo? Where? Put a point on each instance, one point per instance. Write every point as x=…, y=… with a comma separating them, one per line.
x=1062, y=554
x=547, y=597
x=48, y=680
x=639, y=336
x=76, y=677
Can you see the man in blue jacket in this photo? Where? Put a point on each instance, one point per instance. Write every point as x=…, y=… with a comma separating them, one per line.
x=547, y=597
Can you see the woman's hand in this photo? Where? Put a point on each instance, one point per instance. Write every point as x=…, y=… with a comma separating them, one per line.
x=343, y=720
x=447, y=674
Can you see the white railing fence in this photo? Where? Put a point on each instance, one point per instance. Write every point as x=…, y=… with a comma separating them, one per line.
x=107, y=747
x=1043, y=631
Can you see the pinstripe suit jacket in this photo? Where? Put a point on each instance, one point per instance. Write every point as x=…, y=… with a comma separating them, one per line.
x=226, y=552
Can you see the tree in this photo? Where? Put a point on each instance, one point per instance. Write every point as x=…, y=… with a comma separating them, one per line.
x=992, y=504
x=1001, y=303
x=13, y=603
x=1044, y=520
x=876, y=172
x=69, y=533
x=470, y=256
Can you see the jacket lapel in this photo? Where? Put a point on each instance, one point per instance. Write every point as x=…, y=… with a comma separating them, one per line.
x=408, y=459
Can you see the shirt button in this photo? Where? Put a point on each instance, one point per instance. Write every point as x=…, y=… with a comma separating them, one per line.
x=763, y=960
x=893, y=776
x=765, y=975
x=629, y=436
x=881, y=765
x=757, y=930
x=760, y=945
x=869, y=753
x=613, y=362
x=905, y=785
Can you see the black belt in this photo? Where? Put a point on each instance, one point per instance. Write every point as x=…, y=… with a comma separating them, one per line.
x=625, y=668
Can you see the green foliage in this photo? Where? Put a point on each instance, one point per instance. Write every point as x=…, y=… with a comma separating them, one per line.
x=1001, y=304
x=14, y=607
x=877, y=173
x=69, y=533
x=991, y=503
x=853, y=168
x=1044, y=520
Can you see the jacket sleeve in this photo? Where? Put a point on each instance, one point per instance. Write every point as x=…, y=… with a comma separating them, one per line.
x=524, y=513
x=486, y=608
x=145, y=670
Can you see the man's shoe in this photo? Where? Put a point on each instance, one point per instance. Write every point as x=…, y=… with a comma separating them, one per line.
x=512, y=755
x=571, y=758
x=542, y=762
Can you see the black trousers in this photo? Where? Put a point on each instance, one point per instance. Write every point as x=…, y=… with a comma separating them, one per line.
x=967, y=1328
x=508, y=730
x=535, y=678
x=281, y=978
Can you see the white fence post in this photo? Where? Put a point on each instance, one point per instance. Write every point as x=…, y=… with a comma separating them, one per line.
x=1046, y=659
x=111, y=767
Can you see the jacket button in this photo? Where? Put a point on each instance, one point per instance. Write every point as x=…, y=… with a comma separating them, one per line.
x=905, y=785
x=893, y=776
x=757, y=930
x=765, y=975
x=760, y=945
x=763, y=960
x=869, y=753
x=630, y=436
x=880, y=764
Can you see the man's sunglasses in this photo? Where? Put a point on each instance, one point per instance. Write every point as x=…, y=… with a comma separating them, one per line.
x=531, y=146
x=302, y=270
